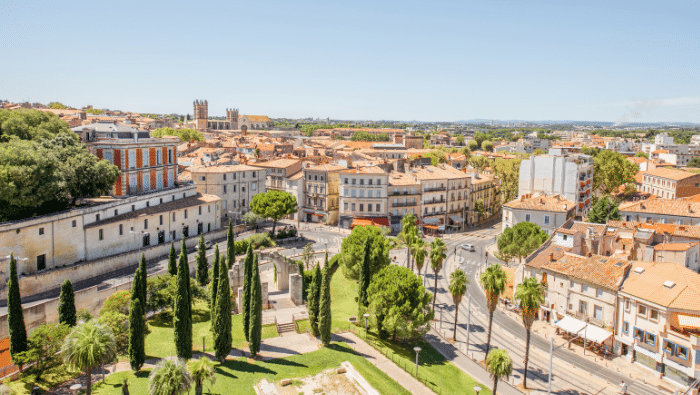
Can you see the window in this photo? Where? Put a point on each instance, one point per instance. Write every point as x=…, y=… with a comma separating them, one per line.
x=161, y=219
x=173, y=216
x=41, y=231
x=362, y=207
x=669, y=347
x=598, y=312
x=650, y=339
x=254, y=174
x=370, y=181
x=378, y=207
x=97, y=217
x=185, y=231
x=362, y=181
x=527, y=217
x=74, y=223
x=116, y=212
x=598, y=293
x=642, y=310
x=379, y=182
x=41, y=262
x=584, y=288
x=582, y=307
x=353, y=207
x=225, y=189
x=653, y=314
x=145, y=224
x=100, y=234
x=346, y=181
x=369, y=208
x=255, y=186
x=121, y=230
x=682, y=352
x=625, y=327
x=638, y=334
x=345, y=206
x=133, y=206
x=627, y=305
x=546, y=219
x=362, y=193
x=571, y=283
x=185, y=214
x=369, y=194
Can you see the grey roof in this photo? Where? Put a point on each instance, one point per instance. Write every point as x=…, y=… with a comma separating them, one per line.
x=106, y=127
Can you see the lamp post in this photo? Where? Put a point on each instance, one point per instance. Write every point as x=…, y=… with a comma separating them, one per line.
x=417, y=350
x=366, y=316
x=469, y=318
x=477, y=389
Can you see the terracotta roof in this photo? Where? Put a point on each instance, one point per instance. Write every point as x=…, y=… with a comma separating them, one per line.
x=256, y=118
x=637, y=159
x=674, y=246
x=597, y=269
x=649, y=284
x=660, y=151
x=396, y=178
x=537, y=259
x=279, y=163
x=694, y=198
x=365, y=170
x=375, y=221
x=555, y=203
x=442, y=171
x=223, y=169
x=671, y=174
x=297, y=175
x=598, y=229
x=510, y=276
x=326, y=167
x=682, y=208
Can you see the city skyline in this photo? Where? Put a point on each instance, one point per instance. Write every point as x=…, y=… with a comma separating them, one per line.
x=626, y=62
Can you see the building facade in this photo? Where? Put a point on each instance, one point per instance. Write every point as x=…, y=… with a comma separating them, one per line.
x=670, y=183
x=322, y=193
x=548, y=212
x=363, y=194
x=235, y=185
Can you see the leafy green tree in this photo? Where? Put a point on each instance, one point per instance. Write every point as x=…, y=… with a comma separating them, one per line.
x=499, y=365
x=230, y=245
x=87, y=346
x=15, y=314
x=222, y=315
x=44, y=343
x=182, y=317
x=172, y=260
x=213, y=287
x=643, y=155
x=409, y=233
x=352, y=250
x=202, y=263
x=437, y=257
x=458, y=287
x=365, y=277
x=611, y=170
x=274, y=204
x=592, y=151
x=508, y=171
x=419, y=254
x=54, y=105
x=255, y=315
x=324, y=310
x=480, y=163
x=493, y=280
x=202, y=370
x=118, y=302
x=530, y=293
x=250, y=218
x=399, y=304
x=460, y=139
x=314, y=300
x=520, y=240
x=603, y=210
x=473, y=145
x=66, y=304
x=538, y=152
x=480, y=208
x=183, y=134
x=694, y=162
x=307, y=255
x=170, y=376
x=487, y=146
x=247, y=289
x=137, y=337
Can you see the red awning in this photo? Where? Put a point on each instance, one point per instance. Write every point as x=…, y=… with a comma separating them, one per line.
x=378, y=221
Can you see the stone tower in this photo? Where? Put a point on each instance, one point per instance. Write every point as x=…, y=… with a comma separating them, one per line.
x=201, y=114
x=232, y=118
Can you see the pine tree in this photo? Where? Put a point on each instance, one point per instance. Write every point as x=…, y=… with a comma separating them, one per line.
x=213, y=287
x=182, y=318
x=137, y=327
x=66, y=304
x=255, y=311
x=364, y=278
x=202, y=264
x=324, y=310
x=172, y=260
x=247, y=274
x=15, y=315
x=314, y=299
x=230, y=245
x=143, y=283
x=222, y=313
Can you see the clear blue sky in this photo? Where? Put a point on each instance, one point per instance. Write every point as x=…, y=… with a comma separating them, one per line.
x=401, y=60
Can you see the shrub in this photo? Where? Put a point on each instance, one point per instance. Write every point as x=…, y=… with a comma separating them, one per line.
x=118, y=302
x=83, y=315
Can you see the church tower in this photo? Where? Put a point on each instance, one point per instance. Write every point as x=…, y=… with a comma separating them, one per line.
x=232, y=118
x=201, y=114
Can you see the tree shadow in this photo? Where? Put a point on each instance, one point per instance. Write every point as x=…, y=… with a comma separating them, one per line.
x=474, y=328
x=285, y=362
x=534, y=374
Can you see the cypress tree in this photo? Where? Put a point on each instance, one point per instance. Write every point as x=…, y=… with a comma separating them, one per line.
x=189, y=292
x=143, y=283
x=314, y=299
x=324, y=321
x=214, y=280
x=172, y=260
x=137, y=340
x=222, y=323
x=15, y=315
x=202, y=264
x=362, y=301
x=230, y=245
x=182, y=317
x=255, y=311
x=247, y=281
x=66, y=304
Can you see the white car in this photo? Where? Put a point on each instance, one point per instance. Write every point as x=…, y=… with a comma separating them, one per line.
x=208, y=244
x=468, y=247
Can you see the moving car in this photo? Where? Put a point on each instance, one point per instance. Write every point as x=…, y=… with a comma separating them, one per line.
x=468, y=247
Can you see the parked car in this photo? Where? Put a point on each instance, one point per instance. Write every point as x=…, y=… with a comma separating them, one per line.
x=468, y=247
x=208, y=244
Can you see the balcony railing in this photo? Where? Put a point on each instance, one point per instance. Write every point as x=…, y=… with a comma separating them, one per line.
x=400, y=204
x=433, y=201
x=435, y=189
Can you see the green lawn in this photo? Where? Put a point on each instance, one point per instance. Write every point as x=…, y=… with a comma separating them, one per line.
x=239, y=376
x=343, y=304
x=303, y=326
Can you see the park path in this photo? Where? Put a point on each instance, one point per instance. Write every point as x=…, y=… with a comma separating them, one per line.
x=383, y=363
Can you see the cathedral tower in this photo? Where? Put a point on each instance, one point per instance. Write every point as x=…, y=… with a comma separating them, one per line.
x=232, y=118
x=201, y=114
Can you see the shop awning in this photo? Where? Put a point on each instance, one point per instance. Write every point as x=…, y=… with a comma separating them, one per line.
x=431, y=221
x=378, y=221
x=688, y=321
x=431, y=227
x=570, y=324
x=595, y=334
x=456, y=218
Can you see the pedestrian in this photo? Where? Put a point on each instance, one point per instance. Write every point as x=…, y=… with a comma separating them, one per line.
x=623, y=388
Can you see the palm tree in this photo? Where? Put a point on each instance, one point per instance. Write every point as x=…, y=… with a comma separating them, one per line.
x=493, y=279
x=169, y=377
x=202, y=369
x=437, y=256
x=418, y=251
x=530, y=293
x=86, y=346
x=499, y=365
x=458, y=287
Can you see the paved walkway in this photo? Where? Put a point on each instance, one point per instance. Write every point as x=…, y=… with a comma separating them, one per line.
x=467, y=365
x=383, y=363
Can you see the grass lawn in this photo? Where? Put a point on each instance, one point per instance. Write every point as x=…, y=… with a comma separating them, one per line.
x=343, y=304
x=303, y=326
x=239, y=376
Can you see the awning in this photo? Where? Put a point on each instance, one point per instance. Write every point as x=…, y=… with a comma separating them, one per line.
x=688, y=321
x=456, y=218
x=570, y=324
x=378, y=221
x=595, y=334
x=431, y=221
x=431, y=227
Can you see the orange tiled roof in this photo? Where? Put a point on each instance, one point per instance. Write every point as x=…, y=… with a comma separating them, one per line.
x=541, y=257
x=674, y=246
x=649, y=284
x=681, y=208
x=671, y=174
x=279, y=163
x=555, y=203
x=327, y=167
x=365, y=170
x=597, y=269
x=400, y=179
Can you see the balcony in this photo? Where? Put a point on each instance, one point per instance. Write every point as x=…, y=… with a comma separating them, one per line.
x=400, y=204
x=433, y=201
x=435, y=189
x=399, y=193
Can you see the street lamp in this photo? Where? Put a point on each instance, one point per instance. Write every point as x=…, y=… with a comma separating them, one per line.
x=417, y=350
x=366, y=316
x=477, y=389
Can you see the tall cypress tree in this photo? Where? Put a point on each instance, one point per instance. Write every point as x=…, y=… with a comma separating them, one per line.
x=182, y=317
x=172, y=260
x=15, y=315
x=362, y=301
x=143, y=283
x=189, y=292
x=222, y=323
x=66, y=304
x=247, y=281
x=255, y=311
x=314, y=299
x=230, y=245
x=137, y=327
x=324, y=324
x=202, y=264
x=214, y=280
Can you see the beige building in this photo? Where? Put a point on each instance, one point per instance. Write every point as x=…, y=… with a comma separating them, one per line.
x=363, y=194
x=234, y=184
x=404, y=196
x=484, y=190
x=663, y=211
x=670, y=183
x=445, y=196
x=279, y=171
x=548, y=212
x=322, y=194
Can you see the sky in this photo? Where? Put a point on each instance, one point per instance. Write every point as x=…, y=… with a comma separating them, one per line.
x=621, y=61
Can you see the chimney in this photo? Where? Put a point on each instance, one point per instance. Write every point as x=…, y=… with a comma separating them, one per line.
x=551, y=257
x=588, y=254
x=690, y=208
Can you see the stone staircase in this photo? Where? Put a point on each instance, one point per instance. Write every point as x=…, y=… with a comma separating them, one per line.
x=285, y=327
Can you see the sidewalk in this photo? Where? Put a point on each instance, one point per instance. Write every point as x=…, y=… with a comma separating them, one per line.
x=467, y=365
x=383, y=363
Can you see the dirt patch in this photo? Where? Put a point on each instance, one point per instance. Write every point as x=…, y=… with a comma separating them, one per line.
x=327, y=382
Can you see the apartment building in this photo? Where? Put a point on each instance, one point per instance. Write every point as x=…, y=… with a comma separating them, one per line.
x=569, y=175
x=280, y=170
x=234, y=184
x=322, y=193
x=484, y=197
x=363, y=194
x=444, y=195
x=670, y=183
x=663, y=211
x=404, y=197
x=548, y=212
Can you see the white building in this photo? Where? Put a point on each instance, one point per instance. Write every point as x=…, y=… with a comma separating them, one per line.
x=363, y=194
x=548, y=212
x=234, y=184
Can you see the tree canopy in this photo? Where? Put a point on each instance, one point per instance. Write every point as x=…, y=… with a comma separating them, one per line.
x=487, y=146
x=604, y=209
x=473, y=145
x=694, y=162
x=274, y=204
x=521, y=240
x=183, y=134
x=54, y=105
x=508, y=171
x=353, y=246
x=611, y=170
